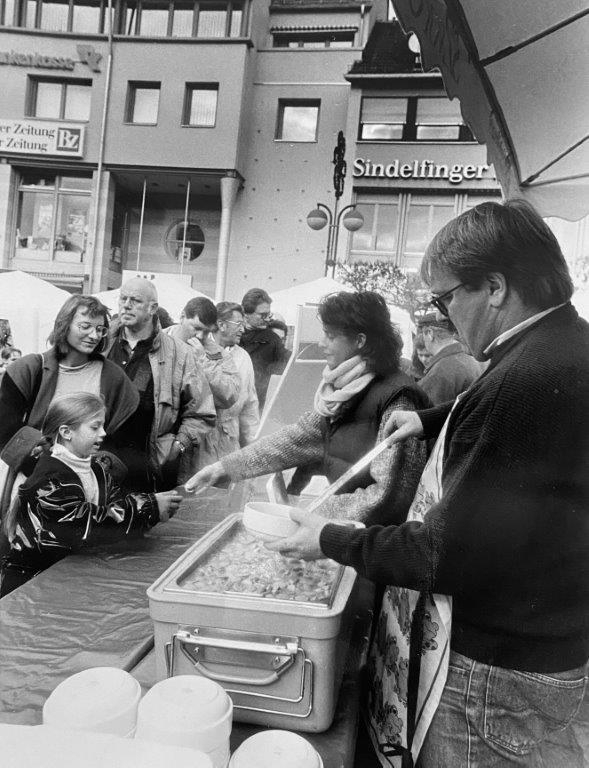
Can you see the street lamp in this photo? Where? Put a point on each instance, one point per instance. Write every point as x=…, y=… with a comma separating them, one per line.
x=349, y=216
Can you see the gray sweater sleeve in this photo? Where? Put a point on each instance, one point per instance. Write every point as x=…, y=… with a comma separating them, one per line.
x=396, y=472
x=291, y=446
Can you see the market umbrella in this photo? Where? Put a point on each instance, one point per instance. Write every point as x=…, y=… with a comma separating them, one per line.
x=520, y=70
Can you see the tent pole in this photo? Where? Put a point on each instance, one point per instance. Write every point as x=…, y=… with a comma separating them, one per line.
x=141, y=224
x=185, y=227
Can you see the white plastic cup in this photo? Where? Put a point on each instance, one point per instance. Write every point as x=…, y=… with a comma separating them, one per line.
x=99, y=699
x=188, y=711
x=276, y=749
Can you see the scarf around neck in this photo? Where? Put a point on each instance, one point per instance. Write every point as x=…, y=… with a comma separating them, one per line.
x=82, y=468
x=340, y=385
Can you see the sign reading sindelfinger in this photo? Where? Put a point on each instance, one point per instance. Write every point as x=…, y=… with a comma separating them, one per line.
x=40, y=137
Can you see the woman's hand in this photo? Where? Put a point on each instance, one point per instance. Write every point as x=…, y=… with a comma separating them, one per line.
x=403, y=424
x=167, y=503
x=303, y=544
x=205, y=477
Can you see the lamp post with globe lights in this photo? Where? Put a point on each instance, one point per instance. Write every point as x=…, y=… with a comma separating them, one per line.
x=322, y=215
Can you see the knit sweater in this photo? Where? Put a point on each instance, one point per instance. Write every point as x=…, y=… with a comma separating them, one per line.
x=509, y=539
x=395, y=471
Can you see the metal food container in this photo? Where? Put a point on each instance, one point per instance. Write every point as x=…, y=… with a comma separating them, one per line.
x=273, y=632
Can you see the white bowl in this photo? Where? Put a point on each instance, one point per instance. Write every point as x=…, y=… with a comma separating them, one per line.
x=276, y=749
x=100, y=699
x=268, y=521
x=186, y=711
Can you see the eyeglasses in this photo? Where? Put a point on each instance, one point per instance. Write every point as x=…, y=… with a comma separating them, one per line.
x=100, y=330
x=235, y=322
x=264, y=315
x=438, y=301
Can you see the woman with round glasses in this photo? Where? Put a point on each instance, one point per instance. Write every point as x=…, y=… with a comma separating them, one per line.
x=74, y=363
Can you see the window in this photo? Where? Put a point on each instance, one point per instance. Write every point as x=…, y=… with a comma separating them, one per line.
x=297, y=120
x=200, y=105
x=412, y=118
x=82, y=16
x=318, y=39
x=383, y=119
x=7, y=8
x=397, y=228
x=184, y=235
x=181, y=18
x=59, y=99
x=52, y=216
x=143, y=103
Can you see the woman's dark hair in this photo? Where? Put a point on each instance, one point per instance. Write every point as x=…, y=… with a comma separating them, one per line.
x=93, y=307
x=365, y=312
x=510, y=238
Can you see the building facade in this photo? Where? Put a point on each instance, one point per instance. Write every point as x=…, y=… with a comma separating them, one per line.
x=193, y=137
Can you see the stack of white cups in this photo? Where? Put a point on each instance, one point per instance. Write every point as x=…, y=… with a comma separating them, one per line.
x=188, y=711
x=100, y=699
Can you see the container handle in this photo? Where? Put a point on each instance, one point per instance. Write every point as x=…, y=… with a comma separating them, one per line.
x=282, y=653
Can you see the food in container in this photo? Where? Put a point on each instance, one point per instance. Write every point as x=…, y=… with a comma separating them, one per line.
x=272, y=631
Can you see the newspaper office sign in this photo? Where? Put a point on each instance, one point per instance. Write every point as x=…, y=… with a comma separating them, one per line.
x=29, y=137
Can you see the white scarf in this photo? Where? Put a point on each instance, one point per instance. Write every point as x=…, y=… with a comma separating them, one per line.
x=340, y=385
x=82, y=469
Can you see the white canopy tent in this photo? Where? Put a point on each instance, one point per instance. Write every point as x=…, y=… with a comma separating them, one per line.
x=287, y=301
x=30, y=306
x=172, y=296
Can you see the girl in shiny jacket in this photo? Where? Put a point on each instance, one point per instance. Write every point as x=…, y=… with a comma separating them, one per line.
x=71, y=501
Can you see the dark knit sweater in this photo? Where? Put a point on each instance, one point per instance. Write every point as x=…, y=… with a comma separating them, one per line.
x=510, y=538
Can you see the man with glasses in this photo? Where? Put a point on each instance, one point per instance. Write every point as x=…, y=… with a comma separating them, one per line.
x=504, y=531
x=176, y=407
x=238, y=424
x=261, y=343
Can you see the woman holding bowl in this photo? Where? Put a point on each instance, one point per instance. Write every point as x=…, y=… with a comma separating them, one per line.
x=361, y=386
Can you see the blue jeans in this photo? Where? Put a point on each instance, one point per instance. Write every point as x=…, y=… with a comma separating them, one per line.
x=490, y=717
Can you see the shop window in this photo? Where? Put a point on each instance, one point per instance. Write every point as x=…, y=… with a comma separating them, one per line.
x=317, y=39
x=181, y=18
x=7, y=10
x=52, y=217
x=398, y=228
x=378, y=235
x=298, y=120
x=81, y=16
x=142, y=103
x=412, y=119
x=59, y=99
x=200, y=105
x=184, y=240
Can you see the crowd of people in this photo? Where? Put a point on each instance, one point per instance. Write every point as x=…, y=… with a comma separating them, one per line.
x=476, y=523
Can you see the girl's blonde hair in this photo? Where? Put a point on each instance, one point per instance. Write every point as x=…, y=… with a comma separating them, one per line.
x=66, y=410
x=70, y=410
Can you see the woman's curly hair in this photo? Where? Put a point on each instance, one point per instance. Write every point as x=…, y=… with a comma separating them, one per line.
x=365, y=312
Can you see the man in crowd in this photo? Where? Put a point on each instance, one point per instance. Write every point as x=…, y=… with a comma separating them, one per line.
x=237, y=425
x=508, y=538
x=450, y=369
x=176, y=407
x=198, y=323
x=262, y=344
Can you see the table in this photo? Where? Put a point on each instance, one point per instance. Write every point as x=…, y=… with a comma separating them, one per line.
x=91, y=610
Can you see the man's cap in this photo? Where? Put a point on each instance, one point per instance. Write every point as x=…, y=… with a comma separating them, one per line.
x=429, y=318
